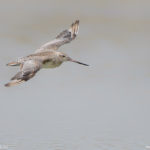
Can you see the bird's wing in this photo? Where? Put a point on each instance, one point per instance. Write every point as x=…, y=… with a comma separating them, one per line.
x=31, y=66
x=27, y=71
x=64, y=37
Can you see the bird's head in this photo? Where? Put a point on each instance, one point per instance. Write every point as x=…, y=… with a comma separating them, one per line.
x=64, y=57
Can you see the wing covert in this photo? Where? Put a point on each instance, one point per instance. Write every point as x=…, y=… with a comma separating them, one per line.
x=64, y=37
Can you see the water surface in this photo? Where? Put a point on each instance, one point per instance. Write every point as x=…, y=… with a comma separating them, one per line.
x=104, y=106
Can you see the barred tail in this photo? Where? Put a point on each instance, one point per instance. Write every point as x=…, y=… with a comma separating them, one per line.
x=14, y=63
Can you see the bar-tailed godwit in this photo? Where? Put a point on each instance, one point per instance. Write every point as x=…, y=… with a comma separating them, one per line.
x=46, y=56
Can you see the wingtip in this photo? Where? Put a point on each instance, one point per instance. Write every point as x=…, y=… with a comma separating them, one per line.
x=6, y=85
x=77, y=21
x=74, y=28
x=9, y=84
x=13, y=83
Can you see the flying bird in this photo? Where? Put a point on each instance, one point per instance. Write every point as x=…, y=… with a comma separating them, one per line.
x=46, y=56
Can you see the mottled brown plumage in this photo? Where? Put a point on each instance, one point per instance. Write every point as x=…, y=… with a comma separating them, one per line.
x=45, y=57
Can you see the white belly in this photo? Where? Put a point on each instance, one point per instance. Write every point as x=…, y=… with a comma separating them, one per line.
x=51, y=65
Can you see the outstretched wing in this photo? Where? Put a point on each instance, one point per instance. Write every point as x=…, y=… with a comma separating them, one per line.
x=28, y=70
x=64, y=37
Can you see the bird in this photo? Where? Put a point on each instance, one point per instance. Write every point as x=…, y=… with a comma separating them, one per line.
x=46, y=56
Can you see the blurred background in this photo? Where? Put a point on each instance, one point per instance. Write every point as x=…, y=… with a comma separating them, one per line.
x=73, y=107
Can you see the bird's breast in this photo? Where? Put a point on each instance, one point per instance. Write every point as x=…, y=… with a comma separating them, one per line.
x=51, y=64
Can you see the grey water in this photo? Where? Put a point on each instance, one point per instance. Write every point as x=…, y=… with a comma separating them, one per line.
x=105, y=106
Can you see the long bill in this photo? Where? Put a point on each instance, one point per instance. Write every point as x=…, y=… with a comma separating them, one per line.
x=78, y=62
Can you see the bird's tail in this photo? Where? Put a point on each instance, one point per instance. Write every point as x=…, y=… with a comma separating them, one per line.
x=14, y=63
